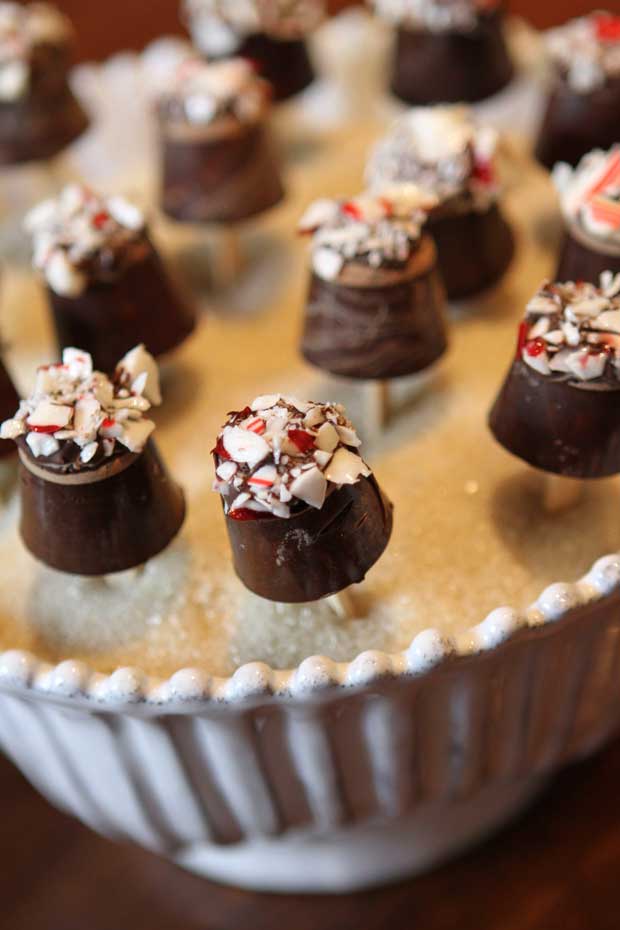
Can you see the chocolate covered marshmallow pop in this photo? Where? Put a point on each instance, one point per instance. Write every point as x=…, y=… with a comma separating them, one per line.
x=304, y=513
x=9, y=399
x=447, y=51
x=584, y=101
x=590, y=200
x=219, y=164
x=442, y=151
x=107, y=286
x=375, y=303
x=271, y=33
x=559, y=407
x=39, y=116
x=95, y=495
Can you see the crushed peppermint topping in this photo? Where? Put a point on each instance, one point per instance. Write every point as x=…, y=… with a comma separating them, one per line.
x=374, y=229
x=572, y=330
x=218, y=27
x=586, y=50
x=590, y=193
x=80, y=235
x=77, y=410
x=201, y=92
x=280, y=453
x=435, y=15
x=24, y=29
x=442, y=151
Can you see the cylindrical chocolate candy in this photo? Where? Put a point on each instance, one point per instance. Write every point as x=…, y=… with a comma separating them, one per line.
x=95, y=522
x=9, y=401
x=285, y=63
x=219, y=174
x=575, y=123
x=584, y=258
x=316, y=552
x=474, y=248
x=377, y=323
x=140, y=304
x=559, y=425
x=451, y=67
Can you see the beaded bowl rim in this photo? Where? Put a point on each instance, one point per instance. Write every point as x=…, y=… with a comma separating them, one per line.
x=190, y=689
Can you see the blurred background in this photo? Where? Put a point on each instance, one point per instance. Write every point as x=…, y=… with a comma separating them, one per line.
x=113, y=25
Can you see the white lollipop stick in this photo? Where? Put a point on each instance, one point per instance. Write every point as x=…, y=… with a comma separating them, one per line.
x=378, y=407
x=229, y=259
x=343, y=604
x=561, y=493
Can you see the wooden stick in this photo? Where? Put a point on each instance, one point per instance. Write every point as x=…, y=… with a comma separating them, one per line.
x=561, y=493
x=229, y=259
x=343, y=604
x=378, y=407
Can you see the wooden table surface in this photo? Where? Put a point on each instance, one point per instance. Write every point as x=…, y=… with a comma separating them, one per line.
x=557, y=868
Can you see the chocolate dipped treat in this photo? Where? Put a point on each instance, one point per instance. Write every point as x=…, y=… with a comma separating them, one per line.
x=584, y=102
x=443, y=152
x=559, y=407
x=375, y=302
x=95, y=495
x=447, y=51
x=590, y=200
x=107, y=286
x=9, y=399
x=39, y=116
x=219, y=164
x=272, y=33
x=304, y=513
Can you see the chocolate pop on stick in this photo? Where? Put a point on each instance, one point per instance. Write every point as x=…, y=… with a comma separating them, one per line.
x=584, y=100
x=590, y=199
x=107, y=286
x=447, y=50
x=375, y=304
x=305, y=516
x=559, y=407
x=95, y=495
x=219, y=164
x=39, y=116
x=442, y=151
x=271, y=33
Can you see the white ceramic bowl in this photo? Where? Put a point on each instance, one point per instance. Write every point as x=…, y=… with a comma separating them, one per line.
x=329, y=777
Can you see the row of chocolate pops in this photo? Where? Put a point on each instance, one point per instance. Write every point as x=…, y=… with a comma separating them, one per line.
x=305, y=516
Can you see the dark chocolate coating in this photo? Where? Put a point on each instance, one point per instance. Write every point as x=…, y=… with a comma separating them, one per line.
x=580, y=263
x=315, y=553
x=285, y=63
x=451, y=67
x=9, y=402
x=574, y=123
x=220, y=178
x=106, y=526
x=110, y=318
x=384, y=331
x=556, y=426
x=48, y=118
x=474, y=249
